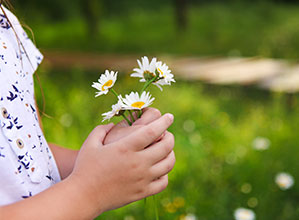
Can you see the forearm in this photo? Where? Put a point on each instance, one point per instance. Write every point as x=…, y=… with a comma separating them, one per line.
x=64, y=200
x=65, y=159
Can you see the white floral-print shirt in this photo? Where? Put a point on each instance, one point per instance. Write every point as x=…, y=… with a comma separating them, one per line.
x=27, y=166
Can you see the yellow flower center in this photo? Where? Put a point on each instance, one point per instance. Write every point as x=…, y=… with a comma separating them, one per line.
x=107, y=84
x=138, y=104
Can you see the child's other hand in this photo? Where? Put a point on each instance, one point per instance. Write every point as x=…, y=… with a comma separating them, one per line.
x=123, y=129
x=126, y=170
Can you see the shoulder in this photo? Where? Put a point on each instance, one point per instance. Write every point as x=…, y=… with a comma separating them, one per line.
x=15, y=44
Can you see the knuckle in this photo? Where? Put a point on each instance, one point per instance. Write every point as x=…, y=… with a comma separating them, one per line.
x=173, y=158
x=140, y=191
x=170, y=140
x=171, y=136
x=169, y=167
x=156, y=113
x=98, y=128
x=134, y=165
x=123, y=149
x=167, y=148
x=150, y=132
x=164, y=184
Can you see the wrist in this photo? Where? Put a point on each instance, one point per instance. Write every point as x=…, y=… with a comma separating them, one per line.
x=86, y=195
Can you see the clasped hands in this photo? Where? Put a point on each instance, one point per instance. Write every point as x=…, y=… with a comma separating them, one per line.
x=121, y=163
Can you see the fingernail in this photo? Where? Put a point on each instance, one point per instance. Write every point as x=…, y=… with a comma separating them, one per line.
x=170, y=117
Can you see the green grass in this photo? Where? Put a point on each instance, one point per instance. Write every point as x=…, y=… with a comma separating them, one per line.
x=214, y=128
x=269, y=30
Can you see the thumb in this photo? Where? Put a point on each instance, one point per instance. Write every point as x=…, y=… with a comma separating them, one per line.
x=98, y=134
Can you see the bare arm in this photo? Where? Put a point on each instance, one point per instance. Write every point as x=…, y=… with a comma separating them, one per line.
x=65, y=159
x=64, y=200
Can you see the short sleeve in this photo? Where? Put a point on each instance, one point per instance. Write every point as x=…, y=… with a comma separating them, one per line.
x=21, y=46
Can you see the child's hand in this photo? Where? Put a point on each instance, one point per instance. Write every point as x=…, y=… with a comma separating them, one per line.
x=123, y=129
x=125, y=170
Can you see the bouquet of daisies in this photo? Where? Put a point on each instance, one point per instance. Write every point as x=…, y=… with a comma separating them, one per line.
x=154, y=72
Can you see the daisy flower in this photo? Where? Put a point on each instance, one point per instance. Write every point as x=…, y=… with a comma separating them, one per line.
x=115, y=110
x=165, y=75
x=284, y=180
x=244, y=214
x=136, y=102
x=146, y=70
x=105, y=82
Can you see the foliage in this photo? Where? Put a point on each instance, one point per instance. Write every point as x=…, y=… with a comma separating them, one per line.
x=217, y=169
x=268, y=30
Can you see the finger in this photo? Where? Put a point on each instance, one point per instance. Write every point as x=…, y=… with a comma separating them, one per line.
x=98, y=134
x=159, y=150
x=122, y=124
x=164, y=166
x=117, y=133
x=149, y=115
x=148, y=134
x=158, y=185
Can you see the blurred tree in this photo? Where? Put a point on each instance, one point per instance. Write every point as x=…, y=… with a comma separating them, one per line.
x=92, y=11
x=181, y=13
x=54, y=10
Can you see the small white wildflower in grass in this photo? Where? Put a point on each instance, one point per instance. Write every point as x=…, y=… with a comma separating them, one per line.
x=114, y=112
x=105, y=82
x=135, y=102
x=190, y=217
x=146, y=70
x=284, y=181
x=244, y=214
x=129, y=217
x=261, y=143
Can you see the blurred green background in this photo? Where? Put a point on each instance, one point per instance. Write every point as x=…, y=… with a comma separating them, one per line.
x=217, y=169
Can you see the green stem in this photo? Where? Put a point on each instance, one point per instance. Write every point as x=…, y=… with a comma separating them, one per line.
x=139, y=113
x=133, y=119
x=156, y=208
x=130, y=123
x=115, y=93
x=148, y=83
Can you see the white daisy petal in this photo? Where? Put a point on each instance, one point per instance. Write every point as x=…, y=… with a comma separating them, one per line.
x=164, y=73
x=135, y=102
x=115, y=110
x=105, y=82
x=146, y=69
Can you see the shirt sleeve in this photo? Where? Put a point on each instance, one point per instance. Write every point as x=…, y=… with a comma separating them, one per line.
x=29, y=52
